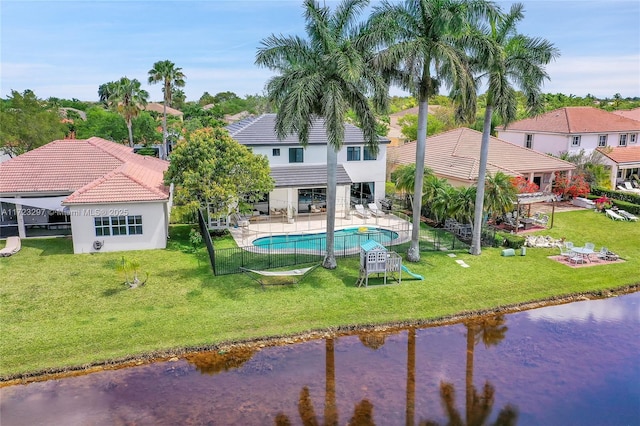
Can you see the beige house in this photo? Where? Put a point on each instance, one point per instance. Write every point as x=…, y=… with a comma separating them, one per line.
x=455, y=156
x=623, y=162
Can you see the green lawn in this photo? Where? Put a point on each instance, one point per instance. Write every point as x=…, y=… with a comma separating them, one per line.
x=61, y=310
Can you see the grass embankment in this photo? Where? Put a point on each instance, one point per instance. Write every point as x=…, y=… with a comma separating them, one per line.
x=62, y=310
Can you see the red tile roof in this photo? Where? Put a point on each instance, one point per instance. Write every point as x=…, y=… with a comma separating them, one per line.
x=456, y=154
x=633, y=114
x=576, y=120
x=622, y=154
x=92, y=170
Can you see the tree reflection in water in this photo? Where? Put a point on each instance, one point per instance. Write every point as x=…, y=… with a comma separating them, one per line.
x=490, y=331
x=363, y=411
x=214, y=362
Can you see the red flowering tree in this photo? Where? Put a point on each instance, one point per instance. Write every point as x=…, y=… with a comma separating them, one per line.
x=524, y=186
x=577, y=186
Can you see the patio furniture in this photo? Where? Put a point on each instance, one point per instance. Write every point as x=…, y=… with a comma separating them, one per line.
x=373, y=208
x=464, y=231
x=627, y=215
x=613, y=215
x=628, y=186
x=542, y=220
x=602, y=254
x=581, y=254
x=360, y=211
x=240, y=220
x=12, y=247
x=565, y=251
x=450, y=224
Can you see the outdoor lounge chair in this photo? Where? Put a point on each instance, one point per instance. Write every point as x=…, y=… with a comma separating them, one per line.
x=240, y=220
x=373, y=208
x=613, y=215
x=360, y=211
x=602, y=254
x=628, y=215
x=566, y=251
x=13, y=246
x=628, y=186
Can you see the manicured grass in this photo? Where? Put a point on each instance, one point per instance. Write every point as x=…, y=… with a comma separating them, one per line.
x=60, y=310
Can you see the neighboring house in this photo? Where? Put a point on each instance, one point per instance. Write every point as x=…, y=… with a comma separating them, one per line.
x=300, y=174
x=624, y=163
x=572, y=129
x=395, y=129
x=633, y=114
x=107, y=197
x=455, y=156
x=159, y=108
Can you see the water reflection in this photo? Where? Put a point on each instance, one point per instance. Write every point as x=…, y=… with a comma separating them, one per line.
x=545, y=367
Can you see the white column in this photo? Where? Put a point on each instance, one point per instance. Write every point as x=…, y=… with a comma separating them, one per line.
x=22, y=233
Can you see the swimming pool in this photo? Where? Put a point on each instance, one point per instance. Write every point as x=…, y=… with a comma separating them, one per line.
x=344, y=239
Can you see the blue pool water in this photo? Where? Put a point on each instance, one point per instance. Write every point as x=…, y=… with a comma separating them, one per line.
x=344, y=239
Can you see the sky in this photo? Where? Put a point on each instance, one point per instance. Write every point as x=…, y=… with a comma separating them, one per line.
x=67, y=48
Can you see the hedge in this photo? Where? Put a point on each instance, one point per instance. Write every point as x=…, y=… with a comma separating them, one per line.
x=618, y=195
x=511, y=240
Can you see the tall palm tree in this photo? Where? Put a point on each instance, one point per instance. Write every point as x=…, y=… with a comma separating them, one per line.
x=323, y=77
x=424, y=48
x=128, y=98
x=171, y=77
x=104, y=92
x=512, y=59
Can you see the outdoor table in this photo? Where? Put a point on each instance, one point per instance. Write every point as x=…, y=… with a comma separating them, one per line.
x=583, y=252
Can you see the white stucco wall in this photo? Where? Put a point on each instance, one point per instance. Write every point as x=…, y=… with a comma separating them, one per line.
x=359, y=171
x=556, y=143
x=154, y=227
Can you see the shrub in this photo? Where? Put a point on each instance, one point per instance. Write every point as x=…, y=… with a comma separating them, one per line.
x=617, y=195
x=511, y=240
x=630, y=207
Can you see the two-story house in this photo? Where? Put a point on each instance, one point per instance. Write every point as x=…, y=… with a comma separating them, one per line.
x=572, y=129
x=300, y=173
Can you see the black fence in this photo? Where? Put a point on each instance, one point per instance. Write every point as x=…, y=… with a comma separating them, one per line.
x=282, y=251
x=275, y=253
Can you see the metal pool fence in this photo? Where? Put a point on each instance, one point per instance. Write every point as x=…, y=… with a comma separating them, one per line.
x=290, y=253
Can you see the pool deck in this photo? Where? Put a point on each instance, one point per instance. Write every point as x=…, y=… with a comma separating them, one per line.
x=316, y=223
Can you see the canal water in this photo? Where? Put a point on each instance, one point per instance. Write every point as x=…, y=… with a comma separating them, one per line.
x=572, y=364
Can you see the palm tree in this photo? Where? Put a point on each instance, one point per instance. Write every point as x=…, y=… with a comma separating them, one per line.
x=128, y=98
x=104, y=92
x=500, y=194
x=462, y=203
x=424, y=48
x=323, y=77
x=511, y=59
x=171, y=77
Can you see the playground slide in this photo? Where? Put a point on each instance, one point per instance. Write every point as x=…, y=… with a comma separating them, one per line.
x=417, y=276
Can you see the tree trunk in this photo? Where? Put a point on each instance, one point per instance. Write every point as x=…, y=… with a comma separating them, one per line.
x=413, y=254
x=476, y=243
x=164, y=129
x=130, y=129
x=329, y=261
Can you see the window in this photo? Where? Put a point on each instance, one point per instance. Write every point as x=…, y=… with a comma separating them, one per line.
x=528, y=141
x=633, y=138
x=623, y=140
x=362, y=192
x=353, y=153
x=575, y=141
x=296, y=155
x=276, y=152
x=369, y=155
x=602, y=140
x=118, y=225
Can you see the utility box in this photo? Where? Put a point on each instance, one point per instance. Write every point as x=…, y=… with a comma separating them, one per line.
x=523, y=251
